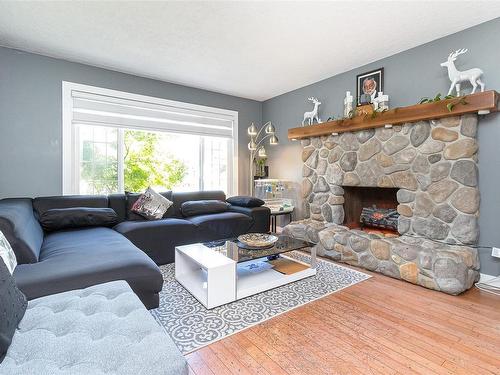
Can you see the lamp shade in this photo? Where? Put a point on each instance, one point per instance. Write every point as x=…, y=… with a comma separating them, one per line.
x=262, y=153
x=270, y=128
x=252, y=129
x=273, y=141
x=252, y=146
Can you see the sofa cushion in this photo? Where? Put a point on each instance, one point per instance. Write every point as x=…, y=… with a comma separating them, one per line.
x=180, y=197
x=78, y=217
x=103, y=329
x=43, y=204
x=203, y=207
x=260, y=217
x=158, y=238
x=133, y=197
x=151, y=205
x=118, y=202
x=222, y=225
x=245, y=201
x=12, y=307
x=21, y=228
x=7, y=254
x=75, y=259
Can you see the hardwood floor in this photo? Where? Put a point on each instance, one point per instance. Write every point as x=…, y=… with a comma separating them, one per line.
x=379, y=326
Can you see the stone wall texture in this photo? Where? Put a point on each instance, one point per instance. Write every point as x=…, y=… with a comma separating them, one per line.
x=433, y=163
x=447, y=268
x=434, y=166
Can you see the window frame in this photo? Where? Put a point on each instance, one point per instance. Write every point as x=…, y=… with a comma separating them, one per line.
x=70, y=160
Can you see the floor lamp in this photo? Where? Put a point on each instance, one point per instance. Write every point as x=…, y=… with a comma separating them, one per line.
x=257, y=148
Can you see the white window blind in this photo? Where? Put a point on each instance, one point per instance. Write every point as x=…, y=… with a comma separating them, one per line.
x=96, y=109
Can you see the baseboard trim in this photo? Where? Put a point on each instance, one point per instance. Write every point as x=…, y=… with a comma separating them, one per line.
x=484, y=277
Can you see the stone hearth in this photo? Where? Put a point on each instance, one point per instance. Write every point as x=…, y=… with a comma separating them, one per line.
x=433, y=164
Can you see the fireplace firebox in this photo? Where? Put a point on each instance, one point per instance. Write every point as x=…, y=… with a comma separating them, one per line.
x=371, y=209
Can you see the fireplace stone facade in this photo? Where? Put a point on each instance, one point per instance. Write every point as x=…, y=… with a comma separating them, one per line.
x=434, y=166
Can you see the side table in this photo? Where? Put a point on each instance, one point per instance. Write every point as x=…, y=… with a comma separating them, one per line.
x=276, y=213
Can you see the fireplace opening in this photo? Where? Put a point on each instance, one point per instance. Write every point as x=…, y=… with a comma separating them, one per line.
x=373, y=210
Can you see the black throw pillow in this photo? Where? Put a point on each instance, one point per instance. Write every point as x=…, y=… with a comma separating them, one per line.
x=193, y=208
x=78, y=217
x=244, y=201
x=12, y=308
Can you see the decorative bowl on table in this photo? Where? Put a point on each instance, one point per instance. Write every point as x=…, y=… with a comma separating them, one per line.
x=257, y=240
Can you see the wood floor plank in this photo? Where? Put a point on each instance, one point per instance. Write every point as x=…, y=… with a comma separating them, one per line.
x=256, y=353
x=379, y=326
x=197, y=364
x=213, y=362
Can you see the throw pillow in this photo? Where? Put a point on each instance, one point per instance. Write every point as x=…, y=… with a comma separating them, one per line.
x=244, y=201
x=7, y=254
x=193, y=208
x=78, y=217
x=151, y=205
x=12, y=308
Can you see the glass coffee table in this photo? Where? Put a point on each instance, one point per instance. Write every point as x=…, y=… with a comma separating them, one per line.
x=219, y=272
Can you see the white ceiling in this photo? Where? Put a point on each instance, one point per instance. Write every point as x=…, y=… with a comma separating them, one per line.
x=254, y=50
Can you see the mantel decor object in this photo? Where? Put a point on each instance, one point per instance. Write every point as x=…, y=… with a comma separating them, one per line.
x=257, y=137
x=348, y=104
x=457, y=77
x=368, y=84
x=312, y=115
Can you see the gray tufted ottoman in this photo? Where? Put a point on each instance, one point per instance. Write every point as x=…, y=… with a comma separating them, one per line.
x=104, y=329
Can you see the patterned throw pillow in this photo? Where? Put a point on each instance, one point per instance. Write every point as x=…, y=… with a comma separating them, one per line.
x=151, y=205
x=7, y=254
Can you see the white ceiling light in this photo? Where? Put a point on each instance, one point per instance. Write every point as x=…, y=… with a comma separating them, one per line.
x=250, y=49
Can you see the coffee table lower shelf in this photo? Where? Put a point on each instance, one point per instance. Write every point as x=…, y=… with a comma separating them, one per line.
x=215, y=280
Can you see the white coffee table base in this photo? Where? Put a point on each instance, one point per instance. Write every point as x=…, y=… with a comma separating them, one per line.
x=214, y=280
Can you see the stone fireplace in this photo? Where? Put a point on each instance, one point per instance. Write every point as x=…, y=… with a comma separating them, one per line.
x=427, y=170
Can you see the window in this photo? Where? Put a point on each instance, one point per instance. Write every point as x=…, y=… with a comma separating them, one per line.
x=115, y=142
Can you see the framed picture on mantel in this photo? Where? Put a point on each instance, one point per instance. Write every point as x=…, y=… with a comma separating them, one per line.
x=368, y=84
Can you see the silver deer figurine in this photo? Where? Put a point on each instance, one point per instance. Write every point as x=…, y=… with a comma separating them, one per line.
x=456, y=77
x=312, y=115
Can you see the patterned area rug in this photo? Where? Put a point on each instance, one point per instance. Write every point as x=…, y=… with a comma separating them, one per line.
x=192, y=326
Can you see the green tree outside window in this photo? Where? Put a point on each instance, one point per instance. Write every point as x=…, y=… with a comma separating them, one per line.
x=145, y=164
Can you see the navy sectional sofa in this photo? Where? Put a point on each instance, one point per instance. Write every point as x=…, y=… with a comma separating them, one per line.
x=71, y=259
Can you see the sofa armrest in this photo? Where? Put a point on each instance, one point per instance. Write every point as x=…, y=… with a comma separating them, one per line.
x=21, y=228
x=260, y=215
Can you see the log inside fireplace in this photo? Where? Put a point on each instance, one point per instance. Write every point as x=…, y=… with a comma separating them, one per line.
x=357, y=198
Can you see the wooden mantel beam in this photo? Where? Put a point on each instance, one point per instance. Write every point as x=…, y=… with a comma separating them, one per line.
x=481, y=101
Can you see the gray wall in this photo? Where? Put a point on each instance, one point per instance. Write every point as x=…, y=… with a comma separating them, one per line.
x=31, y=117
x=409, y=76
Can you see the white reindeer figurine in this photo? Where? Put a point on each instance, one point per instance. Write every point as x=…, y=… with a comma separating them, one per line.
x=456, y=77
x=312, y=115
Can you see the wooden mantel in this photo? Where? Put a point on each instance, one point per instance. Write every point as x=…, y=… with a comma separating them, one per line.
x=482, y=101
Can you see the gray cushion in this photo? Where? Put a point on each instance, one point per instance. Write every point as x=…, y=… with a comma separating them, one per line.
x=203, y=207
x=245, y=201
x=77, y=217
x=180, y=197
x=99, y=330
x=42, y=204
x=21, y=229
